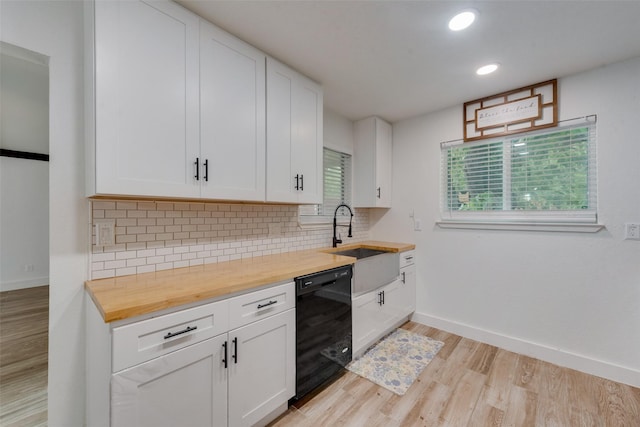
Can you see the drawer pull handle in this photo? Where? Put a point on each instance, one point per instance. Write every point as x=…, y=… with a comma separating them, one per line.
x=408, y=258
x=271, y=302
x=184, y=331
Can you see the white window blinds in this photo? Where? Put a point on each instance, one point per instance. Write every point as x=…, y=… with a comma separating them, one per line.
x=547, y=176
x=337, y=184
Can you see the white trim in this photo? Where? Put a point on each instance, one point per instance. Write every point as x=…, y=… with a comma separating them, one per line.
x=14, y=285
x=556, y=356
x=522, y=226
x=337, y=147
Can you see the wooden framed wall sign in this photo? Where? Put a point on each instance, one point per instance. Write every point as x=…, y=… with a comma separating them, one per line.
x=519, y=110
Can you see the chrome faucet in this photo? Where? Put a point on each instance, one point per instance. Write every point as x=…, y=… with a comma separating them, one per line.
x=335, y=224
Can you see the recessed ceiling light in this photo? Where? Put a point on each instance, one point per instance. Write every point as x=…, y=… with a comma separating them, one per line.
x=462, y=20
x=487, y=69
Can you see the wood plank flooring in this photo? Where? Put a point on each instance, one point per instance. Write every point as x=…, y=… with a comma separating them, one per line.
x=473, y=384
x=24, y=336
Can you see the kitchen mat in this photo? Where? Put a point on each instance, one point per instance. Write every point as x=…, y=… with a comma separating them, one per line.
x=396, y=360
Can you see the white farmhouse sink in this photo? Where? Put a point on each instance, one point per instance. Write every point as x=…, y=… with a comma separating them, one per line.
x=373, y=269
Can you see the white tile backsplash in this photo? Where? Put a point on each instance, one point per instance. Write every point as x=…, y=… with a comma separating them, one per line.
x=154, y=236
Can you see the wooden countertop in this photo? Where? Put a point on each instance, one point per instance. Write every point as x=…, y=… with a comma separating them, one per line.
x=129, y=296
x=373, y=244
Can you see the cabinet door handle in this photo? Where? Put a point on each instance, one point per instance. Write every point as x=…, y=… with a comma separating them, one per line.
x=379, y=298
x=197, y=163
x=206, y=170
x=184, y=331
x=297, y=187
x=301, y=182
x=378, y=192
x=382, y=297
x=404, y=277
x=235, y=350
x=271, y=302
x=224, y=360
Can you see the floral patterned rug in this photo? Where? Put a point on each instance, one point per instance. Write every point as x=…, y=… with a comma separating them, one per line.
x=396, y=361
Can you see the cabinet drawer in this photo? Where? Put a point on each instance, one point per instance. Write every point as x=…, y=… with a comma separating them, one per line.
x=145, y=340
x=248, y=308
x=407, y=258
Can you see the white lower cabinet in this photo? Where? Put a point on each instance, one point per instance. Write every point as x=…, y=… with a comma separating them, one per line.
x=261, y=377
x=185, y=388
x=227, y=363
x=376, y=313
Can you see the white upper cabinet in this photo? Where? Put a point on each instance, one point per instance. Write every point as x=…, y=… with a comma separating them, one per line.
x=372, y=160
x=294, y=136
x=145, y=83
x=176, y=108
x=232, y=117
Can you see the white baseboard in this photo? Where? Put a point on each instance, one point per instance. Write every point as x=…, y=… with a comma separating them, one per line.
x=23, y=284
x=563, y=358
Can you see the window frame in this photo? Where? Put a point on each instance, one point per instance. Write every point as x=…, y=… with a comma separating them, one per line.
x=585, y=220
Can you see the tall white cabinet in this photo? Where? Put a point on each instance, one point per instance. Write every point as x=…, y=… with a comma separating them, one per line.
x=372, y=163
x=294, y=136
x=145, y=81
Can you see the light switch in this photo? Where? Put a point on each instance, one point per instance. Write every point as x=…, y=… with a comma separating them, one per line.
x=632, y=231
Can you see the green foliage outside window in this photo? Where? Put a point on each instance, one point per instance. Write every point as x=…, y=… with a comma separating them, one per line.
x=547, y=171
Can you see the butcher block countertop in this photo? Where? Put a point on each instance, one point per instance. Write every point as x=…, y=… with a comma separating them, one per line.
x=124, y=297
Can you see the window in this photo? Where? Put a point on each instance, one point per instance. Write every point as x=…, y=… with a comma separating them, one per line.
x=337, y=185
x=543, y=176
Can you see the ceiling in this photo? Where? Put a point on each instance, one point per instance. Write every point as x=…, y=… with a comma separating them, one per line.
x=398, y=59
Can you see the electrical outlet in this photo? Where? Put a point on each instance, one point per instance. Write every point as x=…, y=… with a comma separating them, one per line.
x=632, y=231
x=275, y=229
x=105, y=233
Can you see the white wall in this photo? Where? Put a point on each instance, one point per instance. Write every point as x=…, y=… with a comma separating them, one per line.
x=24, y=193
x=338, y=132
x=24, y=223
x=55, y=29
x=569, y=298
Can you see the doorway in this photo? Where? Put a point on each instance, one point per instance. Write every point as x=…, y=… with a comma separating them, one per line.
x=24, y=236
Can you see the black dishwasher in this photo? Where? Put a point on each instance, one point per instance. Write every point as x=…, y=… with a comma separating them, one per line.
x=323, y=327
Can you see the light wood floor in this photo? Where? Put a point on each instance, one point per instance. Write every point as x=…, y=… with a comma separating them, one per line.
x=473, y=384
x=24, y=325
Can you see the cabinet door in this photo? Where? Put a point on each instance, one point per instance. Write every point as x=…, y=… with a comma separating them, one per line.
x=307, y=147
x=372, y=163
x=232, y=117
x=394, y=302
x=262, y=368
x=281, y=180
x=367, y=320
x=185, y=388
x=146, y=99
x=383, y=164
x=294, y=136
x=408, y=277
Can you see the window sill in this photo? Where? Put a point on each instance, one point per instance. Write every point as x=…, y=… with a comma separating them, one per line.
x=522, y=226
